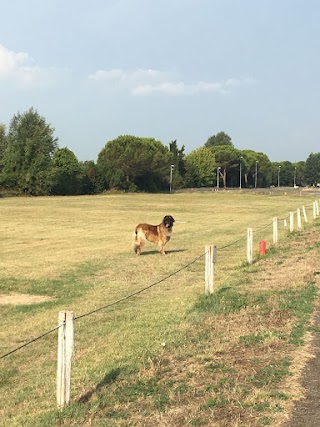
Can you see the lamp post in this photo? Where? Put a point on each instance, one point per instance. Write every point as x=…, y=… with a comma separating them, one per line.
x=294, y=177
x=240, y=172
x=171, y=170
x=279, y=176
x=218, y=176
x=256, y=175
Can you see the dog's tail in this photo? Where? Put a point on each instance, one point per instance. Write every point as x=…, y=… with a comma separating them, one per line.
x=138, y=240
x=135, y=243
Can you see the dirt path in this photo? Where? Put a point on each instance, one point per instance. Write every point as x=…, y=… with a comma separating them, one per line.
x=24, y=299
x=306, y=412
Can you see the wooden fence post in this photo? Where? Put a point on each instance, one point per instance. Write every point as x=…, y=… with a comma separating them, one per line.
x=304, y=214
x=275, y=230
x=298, y=218
x=291, y=222
x=211, y=256
x=65, y=351
x=317, y=207
x=314, y=209
x=250, y=246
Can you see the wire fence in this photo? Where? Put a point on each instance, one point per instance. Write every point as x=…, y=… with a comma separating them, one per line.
x=263, y=232
x=232, y=251
x=126, y=297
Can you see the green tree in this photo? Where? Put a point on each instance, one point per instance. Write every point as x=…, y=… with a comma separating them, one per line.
x=287, y=173
x=283, y=174
x=28, y=155
x=258, y=169
x=312, y=169
x=299, y=173
x=228, y=160
x=221, y=138
x=89, y=177
x=66, y=173
x=131, y=163
x=200, y=168
x=178, y=159
x=3, y=144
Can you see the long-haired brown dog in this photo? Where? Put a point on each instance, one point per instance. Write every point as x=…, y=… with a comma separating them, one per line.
x=160, y=234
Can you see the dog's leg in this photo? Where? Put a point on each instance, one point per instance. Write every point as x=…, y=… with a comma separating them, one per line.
x=136, y=248
x=161, y=248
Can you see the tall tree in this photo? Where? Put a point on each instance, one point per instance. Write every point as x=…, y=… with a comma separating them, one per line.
x=283, y=174
x=30, y=147
x=258, y=172
x=228, y=159
x=312, y=169
x=200, y=168
x=3, y=144
x=178, y=159
x=89, y=177
x=132, y=163
x=66, y=173
x=299, y=173
x=221, y=138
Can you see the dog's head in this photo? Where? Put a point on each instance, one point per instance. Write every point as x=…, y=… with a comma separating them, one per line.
x=168, y=221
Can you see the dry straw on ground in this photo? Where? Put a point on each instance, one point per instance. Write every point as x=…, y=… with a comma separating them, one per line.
x=76, y=253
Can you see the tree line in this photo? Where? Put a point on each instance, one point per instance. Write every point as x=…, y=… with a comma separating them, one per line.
x=31, y=162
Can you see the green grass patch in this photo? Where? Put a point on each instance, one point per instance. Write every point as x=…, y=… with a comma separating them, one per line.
x=258, y=338
x=300, y=304
x=224, y=301
x=271, y=374
x=228, y=300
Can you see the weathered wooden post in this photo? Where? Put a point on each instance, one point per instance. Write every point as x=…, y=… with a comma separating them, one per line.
x=65, y=351
x=314, y=209
x=317, y=207
x=304, y=214
x=298, y=218
x=275, y=230
x=211, y=257
x=291, y=222
x=250, y=246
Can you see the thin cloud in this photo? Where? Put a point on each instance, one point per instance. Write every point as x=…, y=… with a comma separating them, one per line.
x=147, y=82
x=131, y=78
x=20, y=68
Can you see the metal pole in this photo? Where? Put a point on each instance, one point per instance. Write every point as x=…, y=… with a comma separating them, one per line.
x=171, y=169
x=256, y=175
x=279, y=176
x=218, y=177
x=240, y=171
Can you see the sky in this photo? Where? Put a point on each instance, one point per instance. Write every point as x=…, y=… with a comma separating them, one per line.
x=171, y=70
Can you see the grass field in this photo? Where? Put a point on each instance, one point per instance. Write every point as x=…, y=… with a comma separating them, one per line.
x=75, y=253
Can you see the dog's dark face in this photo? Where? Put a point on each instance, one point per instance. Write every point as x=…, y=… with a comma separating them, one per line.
x=168, y=221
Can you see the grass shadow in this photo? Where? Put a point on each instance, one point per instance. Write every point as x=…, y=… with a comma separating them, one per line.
x=107, y=379
x=153, y=252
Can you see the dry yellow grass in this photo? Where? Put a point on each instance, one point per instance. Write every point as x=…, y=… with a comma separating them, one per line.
x=77, y=251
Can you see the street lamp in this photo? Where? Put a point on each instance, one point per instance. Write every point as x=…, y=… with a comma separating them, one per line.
x=240, y=171
x=256, y=175
x=279, y=176
x=218, y=176
x=171, y=170
x=294, y=177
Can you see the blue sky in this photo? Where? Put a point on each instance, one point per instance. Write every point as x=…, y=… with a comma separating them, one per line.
x=170, y=69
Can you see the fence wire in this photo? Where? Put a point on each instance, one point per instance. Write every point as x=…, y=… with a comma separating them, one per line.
x=223, y=252
x=104, y=307
x=31, y=341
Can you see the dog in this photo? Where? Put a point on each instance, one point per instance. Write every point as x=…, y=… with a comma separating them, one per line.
x=160, y=234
